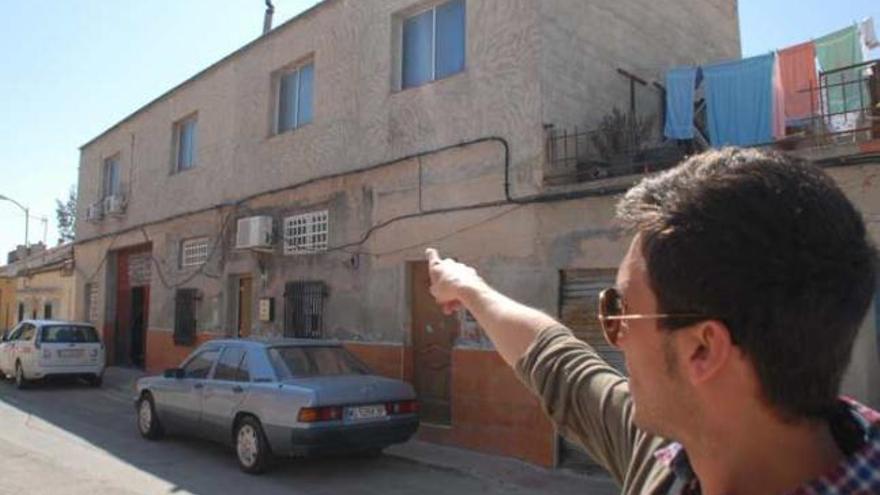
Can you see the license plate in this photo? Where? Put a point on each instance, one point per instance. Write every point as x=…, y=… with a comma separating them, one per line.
x=365, y=412
x=70, y=353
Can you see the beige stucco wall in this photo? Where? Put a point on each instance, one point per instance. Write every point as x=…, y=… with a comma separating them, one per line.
x=8, y=304
x=358, y=119
x=585, y=42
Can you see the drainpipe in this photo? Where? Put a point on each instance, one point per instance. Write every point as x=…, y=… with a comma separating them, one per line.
x=267, y=20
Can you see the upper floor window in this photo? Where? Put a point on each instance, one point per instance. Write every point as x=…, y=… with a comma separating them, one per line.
x=185, y=143
x=306, y=233
x=433, y=44
x=111, y=177
x=295, y=98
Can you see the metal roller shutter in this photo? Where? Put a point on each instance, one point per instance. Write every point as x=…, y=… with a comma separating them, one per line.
x=579, y=299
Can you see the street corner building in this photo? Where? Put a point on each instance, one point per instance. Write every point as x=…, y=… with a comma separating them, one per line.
x=291, y=188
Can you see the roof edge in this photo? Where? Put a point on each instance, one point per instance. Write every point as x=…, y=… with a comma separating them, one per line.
x=281, y=27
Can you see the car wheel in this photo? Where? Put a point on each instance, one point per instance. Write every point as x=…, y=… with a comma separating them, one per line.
x=251, y=446
x=148, y=422
x=20, y=381
x=96, y=381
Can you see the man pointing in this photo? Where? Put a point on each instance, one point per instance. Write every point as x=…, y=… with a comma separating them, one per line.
x=735, y=307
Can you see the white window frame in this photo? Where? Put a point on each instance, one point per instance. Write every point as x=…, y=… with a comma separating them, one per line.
x=409, y=15
x=179, y=127
x=194, y=252
x=306, y=233
x=297, y=123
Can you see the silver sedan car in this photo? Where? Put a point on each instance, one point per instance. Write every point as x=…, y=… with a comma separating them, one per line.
x=286, y=397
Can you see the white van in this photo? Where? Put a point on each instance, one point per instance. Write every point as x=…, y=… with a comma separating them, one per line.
x=37, y=349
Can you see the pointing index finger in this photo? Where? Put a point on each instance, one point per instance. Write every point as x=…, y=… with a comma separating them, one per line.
x=432, y=256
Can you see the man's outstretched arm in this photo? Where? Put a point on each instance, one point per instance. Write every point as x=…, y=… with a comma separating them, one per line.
x=511, y=326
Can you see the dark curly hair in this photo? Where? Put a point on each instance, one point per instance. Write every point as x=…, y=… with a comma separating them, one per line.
x=771, y=246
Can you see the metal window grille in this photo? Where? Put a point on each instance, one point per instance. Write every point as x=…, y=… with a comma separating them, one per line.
x=304, y=309
x=194, y=252
x=306, y=233
x=92, y=302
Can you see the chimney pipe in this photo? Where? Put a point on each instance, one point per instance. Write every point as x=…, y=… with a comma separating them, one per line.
x=267, y=21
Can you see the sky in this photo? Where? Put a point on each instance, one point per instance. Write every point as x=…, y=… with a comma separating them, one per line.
x=70, y=69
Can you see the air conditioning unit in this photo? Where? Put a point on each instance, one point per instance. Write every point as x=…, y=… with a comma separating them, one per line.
x=114, y=205
x=95, y=212
x=254, y=232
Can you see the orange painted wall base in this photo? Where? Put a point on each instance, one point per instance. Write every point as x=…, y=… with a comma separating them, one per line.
x=492, y=411
x=163, y=353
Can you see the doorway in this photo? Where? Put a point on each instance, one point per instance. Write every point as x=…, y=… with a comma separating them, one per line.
x=138, y=327
x=433, y=337
x=245, y=305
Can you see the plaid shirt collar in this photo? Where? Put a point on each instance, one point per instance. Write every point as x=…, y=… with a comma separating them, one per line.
x=858, y=473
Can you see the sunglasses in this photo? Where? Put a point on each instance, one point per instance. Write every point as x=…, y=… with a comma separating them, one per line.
x=611, y=314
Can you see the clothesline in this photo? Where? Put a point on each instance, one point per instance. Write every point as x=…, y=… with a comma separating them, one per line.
x=752, y=100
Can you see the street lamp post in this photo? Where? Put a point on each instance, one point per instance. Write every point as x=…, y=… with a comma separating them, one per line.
x=26, y=216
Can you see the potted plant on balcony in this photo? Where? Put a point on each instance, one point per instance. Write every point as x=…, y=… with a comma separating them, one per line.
x=620, y=139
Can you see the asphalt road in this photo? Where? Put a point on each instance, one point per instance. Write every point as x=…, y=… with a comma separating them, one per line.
x=69, y=438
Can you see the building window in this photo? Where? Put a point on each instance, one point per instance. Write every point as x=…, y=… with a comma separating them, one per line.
x=185, y=144
x=193, y=252
x=295, y=98
x=111, y=177
x=433, y=44
x=185, y=316
x=304, y=309
x=47, y=311
x=20, y=311
x=306, y=233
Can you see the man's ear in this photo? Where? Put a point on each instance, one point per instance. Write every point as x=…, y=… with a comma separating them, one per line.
x=706, y=348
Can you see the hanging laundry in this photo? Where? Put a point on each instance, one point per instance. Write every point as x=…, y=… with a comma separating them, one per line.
x=739, y=101
x=797, y=68
x=835, y=51
x=869, y=35
x=778, y=102
x=680, y=87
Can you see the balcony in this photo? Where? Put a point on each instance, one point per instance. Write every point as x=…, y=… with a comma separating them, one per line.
x=845, y=121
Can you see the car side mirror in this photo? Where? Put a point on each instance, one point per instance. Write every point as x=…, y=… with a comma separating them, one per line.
x=173, y=373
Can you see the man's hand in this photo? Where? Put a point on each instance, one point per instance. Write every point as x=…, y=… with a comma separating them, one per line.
x=450, y=280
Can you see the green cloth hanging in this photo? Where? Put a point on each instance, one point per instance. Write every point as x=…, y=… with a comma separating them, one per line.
x=841, y=49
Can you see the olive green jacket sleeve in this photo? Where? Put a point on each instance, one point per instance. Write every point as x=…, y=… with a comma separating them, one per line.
x=591, y=404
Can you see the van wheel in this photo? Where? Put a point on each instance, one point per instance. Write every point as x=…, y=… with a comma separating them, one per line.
x=251, y=446
x=148, y=422
x=20, y=381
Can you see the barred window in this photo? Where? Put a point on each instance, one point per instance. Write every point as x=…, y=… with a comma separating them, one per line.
x=306, y=233
x=194, y=252
x=91, y=294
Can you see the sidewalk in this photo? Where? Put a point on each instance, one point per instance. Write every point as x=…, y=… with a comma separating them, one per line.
x=492, y=469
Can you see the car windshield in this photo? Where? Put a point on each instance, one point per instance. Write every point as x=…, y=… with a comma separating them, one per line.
x=294, y=362
x=68, y=334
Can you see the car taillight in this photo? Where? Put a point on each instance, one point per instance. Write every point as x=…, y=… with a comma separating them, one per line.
x=47, y=354
x=403, y=407
x=315, y=414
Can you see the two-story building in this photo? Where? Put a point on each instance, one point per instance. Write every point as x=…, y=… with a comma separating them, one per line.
x=291, y=188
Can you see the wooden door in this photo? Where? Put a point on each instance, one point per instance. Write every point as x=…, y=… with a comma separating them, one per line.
x=433, y=336
x=245, y=305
